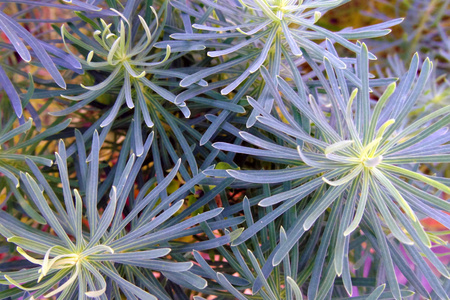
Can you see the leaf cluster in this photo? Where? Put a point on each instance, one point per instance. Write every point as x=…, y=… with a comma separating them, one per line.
x=240, y=149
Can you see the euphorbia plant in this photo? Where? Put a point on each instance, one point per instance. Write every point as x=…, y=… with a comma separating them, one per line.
x=240, y=149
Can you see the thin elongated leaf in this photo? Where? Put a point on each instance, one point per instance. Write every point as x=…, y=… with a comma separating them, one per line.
x=124, y=284
x=385, y=254
x=47, y=213
x=14, y=39
x=10, y=90
x=38, y=48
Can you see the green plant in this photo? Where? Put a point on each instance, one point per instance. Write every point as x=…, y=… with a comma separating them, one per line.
x=356, y=157
x=107, y=242
x=240, y=149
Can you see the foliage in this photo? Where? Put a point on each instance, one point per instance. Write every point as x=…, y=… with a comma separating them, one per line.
x=357, y=154
x=134, y=243
x=251, y=149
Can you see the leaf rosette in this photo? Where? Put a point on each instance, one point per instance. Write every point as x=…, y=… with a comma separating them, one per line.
x=128, y=59
x=361, y=153
x=88, y=245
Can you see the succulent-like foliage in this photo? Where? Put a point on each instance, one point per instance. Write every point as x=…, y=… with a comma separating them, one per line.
x=274, y=24
x=299, y=274
x=85, y=257
x=17, y=35
x=127, y=58
x=265, y=33
x=16, y=146
x=427, y=33
x=230, y=149
x=436, y=93
x=361, y=152
x=243, y=260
